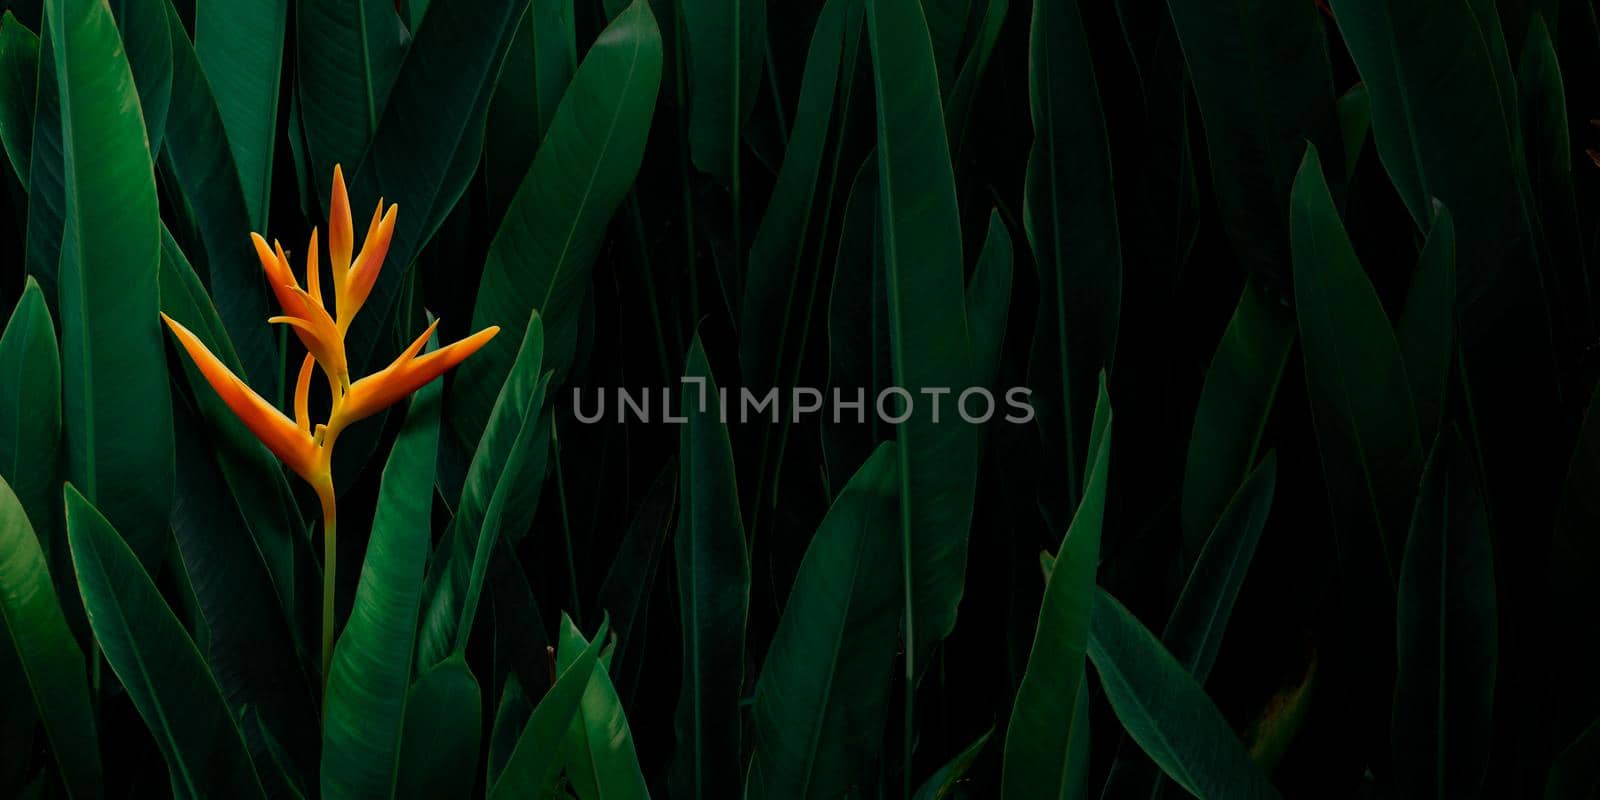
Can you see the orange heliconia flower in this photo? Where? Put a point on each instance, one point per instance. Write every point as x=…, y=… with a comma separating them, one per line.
x=306, y=449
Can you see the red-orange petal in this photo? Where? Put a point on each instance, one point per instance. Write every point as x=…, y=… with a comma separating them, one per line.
x=365, y=272
x=276, y=431
x=407, y=374
x=341, y=231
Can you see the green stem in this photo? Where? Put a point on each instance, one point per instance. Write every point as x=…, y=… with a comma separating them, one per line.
x=330, y=550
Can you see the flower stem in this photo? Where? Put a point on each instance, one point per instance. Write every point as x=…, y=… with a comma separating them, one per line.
x=330, y=550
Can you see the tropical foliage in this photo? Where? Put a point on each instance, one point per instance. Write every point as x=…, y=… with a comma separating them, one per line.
x=1297, y=293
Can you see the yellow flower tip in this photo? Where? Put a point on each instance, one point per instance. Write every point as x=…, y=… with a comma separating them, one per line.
x=341, y=233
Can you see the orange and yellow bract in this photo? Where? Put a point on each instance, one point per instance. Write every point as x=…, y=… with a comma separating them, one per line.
x=308, y=449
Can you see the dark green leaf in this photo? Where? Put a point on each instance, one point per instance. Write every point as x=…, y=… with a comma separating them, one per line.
x=1427, y=329
x=604, y=743
x=725, y=52
x=989, y=301
x=533, y=764
x=19, y=77
x=143, y=24
x=348, y=53
x=625, y=594
x=943, y=782
x=240, y=44
x=439, y=748
x=30, y=410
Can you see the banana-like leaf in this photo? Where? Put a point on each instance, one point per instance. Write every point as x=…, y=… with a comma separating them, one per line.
x=348, y=53
x=724, y=54
x=439, y=746
x=114, y=393
x=822, y=698
x=1446, y=633
x=989, y=300
x=19, y=78
x=1046, y=751
x=538, y=68
x=601, y=760
x=1356, y=378
x=51, y=662
x=240, y=44
x=364, y=708
x=30, y=410
x=1069, y=215
x=145, y=38
x=157, y=662
x=1234, y=406
x=1167, y=712
x=534, y=764
x=713, y=593
x=1427, y=328
x=542, y=254
x=858, y=328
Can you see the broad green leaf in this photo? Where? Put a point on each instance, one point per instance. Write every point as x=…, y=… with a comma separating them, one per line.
x=347, y=54
x=500, y=497
x=538, y=67
x=1446, y=630
x=1427, y=328
x=929, y=344
x=1069, y=215
x=943, y=782
x=30, y=410
x=542, y=254
x=364, y=707
x=602, y=741
x=1261, y=77
x=724, y=54
x=198, y=158
x=1235, y=403
x=1046, y=745
x=625, y=593
x=260, y=489
x=19, y=77
x=157, y=662
x=1357, y=382
x=823, y=694
x=240, y=44
x=428, y=145
x=713, y=570
x=249, y=644
x=115, y=402
x=858, y=329
x=50, y=659
x=989, y=301
x=439, y=748
x=780, y=286
x=145, y=38
x=534, y=763
x=1166, y=711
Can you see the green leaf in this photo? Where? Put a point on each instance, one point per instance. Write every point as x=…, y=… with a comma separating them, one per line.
x=1574, y=550
x=143, y=25
x=943, y=782
x=858, y=328
x=989, y=301
x=625, y=593
x=1355, y=123
x=947, y=29
x=1234, y=406
x=439, y=748
x=1262, y=80
x=604, y=743
x=797, y=215
x=1046, y=745
x=1356, y=379
x=157, y=662
x=534, y=763
x=364, y=708
x=1069, y=215
x=240, y=44
x=46, y=178
x=1427, y=328
x=713, y=593
x=49, y=656
x=543, y=252
x=822, y=698
x=117, y=410
x=1446, y=630
x=724, y=55
x=1166, y=712
x=929, y=347
x=500, y=497
x=348, y=53
x=19, y=77
x=958, y=100
x=30, y=409
x=538, y=68
x=197, y=157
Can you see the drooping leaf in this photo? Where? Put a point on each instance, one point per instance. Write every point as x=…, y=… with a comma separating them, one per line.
x=1069, y=215
x=1167, y=712
x=534, y=763
x=114, y=393
x=822, y=697
x=157, y=662
x=1046, y=746
x=713, y=570
x=240, y=45
x=50, y=660
x=541, y=256
x=364, y=707
x=1234, y=406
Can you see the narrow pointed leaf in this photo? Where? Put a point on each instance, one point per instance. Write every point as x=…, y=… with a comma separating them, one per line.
x=533, y=765
x=1427, y=329
x=605, y=740
x=19, y=77
x=989, y=301
x=30, y=410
